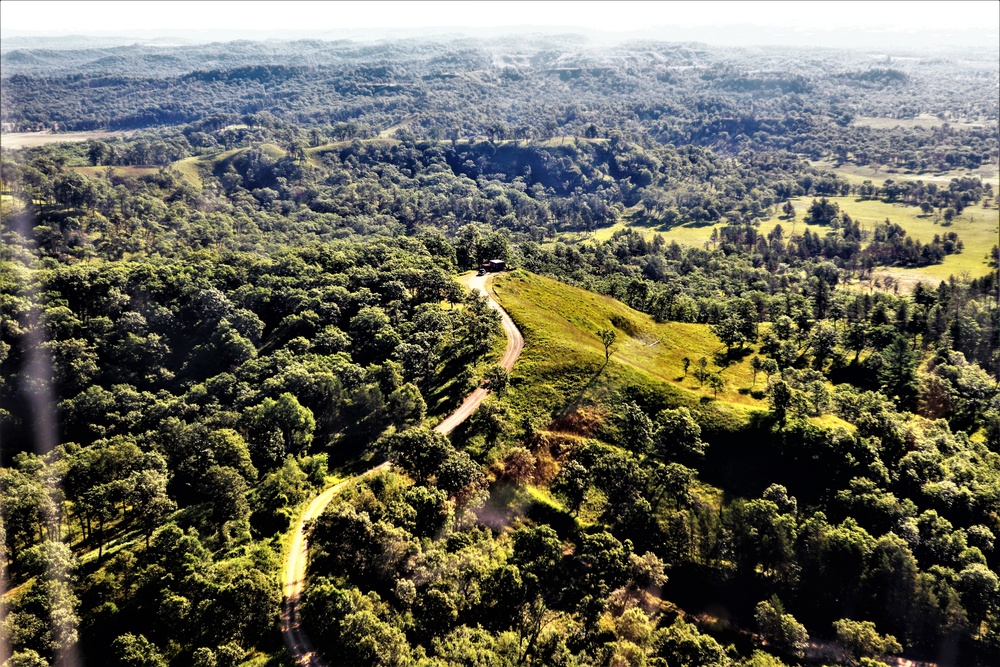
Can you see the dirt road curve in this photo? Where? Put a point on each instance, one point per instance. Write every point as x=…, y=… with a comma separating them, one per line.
x=294, y=579
x=515, y=343
x=295, y=565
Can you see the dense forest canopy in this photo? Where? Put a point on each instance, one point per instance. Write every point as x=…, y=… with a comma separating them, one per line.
x=746, y=429
x=729, y=99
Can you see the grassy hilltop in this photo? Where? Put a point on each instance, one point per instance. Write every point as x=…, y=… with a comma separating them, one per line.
x=563, y=364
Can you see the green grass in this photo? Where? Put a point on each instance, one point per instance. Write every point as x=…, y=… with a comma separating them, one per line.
x=279, y=659
x=545, y=508
x=858, y=174
x=689, y=234
x=195, y=167
x=832, y=422
x=926, y=121
x=131, y=170
x=977, y=227
x=9, y=203
x=189, y=168
x=563, y=367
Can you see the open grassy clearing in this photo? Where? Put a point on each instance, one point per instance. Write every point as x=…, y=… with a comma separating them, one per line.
x=9, y=203
x=689, y=234
x=401, y=125
x=695, y=234
x=14, y=140
x=189, y=168
x=923, y=120
x=193, y=168
x=563, y=363
x=563, y=139
x=858, y=174
x=562, y=369
x=977, y=227
x=131, y=170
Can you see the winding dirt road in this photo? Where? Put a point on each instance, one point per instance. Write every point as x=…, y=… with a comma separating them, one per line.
x=295, y=564
x=515, y=343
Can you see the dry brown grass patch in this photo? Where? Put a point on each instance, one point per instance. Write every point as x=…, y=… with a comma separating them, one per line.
x=582, y=421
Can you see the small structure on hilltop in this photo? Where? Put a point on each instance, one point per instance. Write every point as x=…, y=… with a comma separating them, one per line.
x=495, y=265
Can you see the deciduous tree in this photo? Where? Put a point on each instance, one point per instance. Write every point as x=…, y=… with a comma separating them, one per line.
x=607, y=338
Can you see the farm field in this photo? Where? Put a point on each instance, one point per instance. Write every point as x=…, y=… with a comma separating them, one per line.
x=977, y=227
x=14, y=140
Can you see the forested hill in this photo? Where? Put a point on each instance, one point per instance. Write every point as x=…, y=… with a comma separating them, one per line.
x=731, y=99
x=755, y=423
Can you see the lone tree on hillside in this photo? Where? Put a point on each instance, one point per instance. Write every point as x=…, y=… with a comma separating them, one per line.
x=756, y=365
x=701, y=373
x=608, y=338
x=716, y=383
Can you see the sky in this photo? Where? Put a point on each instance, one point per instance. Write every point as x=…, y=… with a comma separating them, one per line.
x=113, y=17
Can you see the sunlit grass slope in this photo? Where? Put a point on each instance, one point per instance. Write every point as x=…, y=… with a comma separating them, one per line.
x=193, y=168
x=130, y=170
x=189, y=168
x=977, y=227
x=858, y=174
x=563, y=365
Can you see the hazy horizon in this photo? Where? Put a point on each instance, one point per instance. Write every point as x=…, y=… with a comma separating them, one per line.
x=875, y=25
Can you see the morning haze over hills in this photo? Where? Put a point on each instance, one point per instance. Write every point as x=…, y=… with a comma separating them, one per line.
x=549, y=345
x=811, y=31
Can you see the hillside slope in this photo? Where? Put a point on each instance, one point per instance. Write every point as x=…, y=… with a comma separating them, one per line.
x=563, y=365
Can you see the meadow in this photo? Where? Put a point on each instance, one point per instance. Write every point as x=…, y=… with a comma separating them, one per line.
x=195, y=167
x=563, y=364
x=924, y=121
x=856, y=174
x=977, y=227
x=14, y=140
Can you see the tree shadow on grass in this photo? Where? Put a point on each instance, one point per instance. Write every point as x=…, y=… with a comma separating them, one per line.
x=657, y=224
x=575, y=402
x=724, y=358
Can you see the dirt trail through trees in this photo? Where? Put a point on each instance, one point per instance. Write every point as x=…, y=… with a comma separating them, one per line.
x=293, y=579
